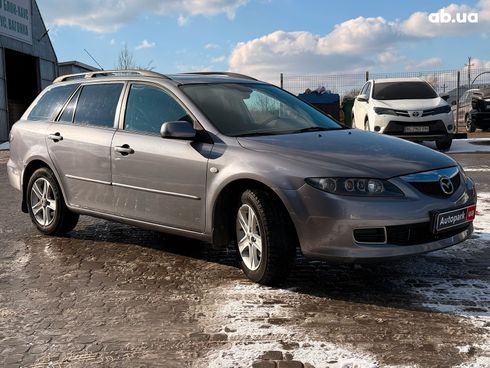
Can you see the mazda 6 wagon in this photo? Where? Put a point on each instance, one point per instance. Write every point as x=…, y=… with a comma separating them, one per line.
x=231, y=160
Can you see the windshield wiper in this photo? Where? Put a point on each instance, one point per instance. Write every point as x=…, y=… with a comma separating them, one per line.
x=311, y=129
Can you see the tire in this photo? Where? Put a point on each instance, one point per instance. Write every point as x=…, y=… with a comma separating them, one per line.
x=444, y=144
x=366, y=125
x=265, y=246
x=470, y=126
x=46, y=205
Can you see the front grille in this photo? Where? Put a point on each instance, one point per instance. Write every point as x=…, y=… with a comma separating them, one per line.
x=418, y=233
x=433, y=188
x=395, y=127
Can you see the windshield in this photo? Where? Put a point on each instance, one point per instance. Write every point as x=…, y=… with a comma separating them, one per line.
x=256, y=109
x=403, y=91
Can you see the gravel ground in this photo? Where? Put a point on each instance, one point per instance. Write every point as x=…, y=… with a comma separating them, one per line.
x=113, y=295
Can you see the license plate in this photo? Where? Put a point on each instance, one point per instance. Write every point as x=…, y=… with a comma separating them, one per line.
x=450, y=219
x=416, y=129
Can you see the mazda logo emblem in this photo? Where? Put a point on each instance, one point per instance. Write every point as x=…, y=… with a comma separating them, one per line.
x=415, y=113
x=446, y=185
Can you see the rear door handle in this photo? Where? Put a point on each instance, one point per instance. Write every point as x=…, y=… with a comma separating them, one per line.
x=56, y=137
x=124, y=150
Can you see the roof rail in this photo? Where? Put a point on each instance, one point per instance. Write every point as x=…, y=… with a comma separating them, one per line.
x=105, y=73
x=229, y=74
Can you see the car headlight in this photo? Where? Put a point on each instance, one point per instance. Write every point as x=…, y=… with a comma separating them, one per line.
x=384, y=111
x=356, y=186
x=446, y=109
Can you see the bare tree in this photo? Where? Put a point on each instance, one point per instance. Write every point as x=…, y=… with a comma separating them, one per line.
x=126, y=60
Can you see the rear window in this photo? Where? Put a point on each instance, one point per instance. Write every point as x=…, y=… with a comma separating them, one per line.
x=403, y=91
x=97, y=105
x=51, y=102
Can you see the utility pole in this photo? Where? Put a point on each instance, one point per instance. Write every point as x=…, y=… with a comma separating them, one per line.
x=469, y=65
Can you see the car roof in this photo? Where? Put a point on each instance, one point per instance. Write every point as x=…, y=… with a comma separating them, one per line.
x=397, y=80
x=182, y=78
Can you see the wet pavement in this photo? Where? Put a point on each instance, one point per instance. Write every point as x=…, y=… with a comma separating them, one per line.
x=114, y=295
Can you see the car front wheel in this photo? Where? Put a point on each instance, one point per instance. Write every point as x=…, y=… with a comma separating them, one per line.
x=444, y=144
x=46, y=205
x=265, y=239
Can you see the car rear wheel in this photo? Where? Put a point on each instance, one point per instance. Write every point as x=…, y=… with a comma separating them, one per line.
x=470, y=126
x=46, y=205
x=265, y=239
x=444, y=144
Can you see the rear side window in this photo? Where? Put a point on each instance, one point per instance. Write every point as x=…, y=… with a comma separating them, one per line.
x=51, y=102
x=97, y=105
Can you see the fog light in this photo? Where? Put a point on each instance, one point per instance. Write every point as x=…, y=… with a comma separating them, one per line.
x=449, y=127
x=377, y=128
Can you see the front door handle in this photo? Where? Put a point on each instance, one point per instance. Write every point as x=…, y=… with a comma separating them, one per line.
x=124, y=150
x=56, y=137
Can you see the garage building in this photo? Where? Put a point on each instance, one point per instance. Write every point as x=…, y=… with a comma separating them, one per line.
x=27, y=59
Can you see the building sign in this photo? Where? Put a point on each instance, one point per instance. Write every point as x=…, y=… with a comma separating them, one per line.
x=15, y=19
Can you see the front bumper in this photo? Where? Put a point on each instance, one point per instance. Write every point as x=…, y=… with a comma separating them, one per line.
x=440, y=126
x=325, y=223
x=481, y=120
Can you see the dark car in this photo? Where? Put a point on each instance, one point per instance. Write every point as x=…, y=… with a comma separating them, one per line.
x=474, y=109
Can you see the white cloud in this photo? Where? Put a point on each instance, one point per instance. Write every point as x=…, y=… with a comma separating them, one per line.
x=218, y=59
x=112, y=42
x=145, y=44
x=423, y=64
x=211, y=46
x=110, y=15
x=356, y=44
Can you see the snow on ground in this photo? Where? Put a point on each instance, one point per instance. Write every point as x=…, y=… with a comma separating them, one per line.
x=455, y=298
x=471, y=145
x=243, y=315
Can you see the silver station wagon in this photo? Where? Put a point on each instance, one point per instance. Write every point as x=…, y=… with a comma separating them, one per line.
x=230, y=160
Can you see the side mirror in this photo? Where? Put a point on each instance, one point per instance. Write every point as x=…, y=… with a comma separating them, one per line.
x=453, y=103
x=444, y=96
x=178, y=130
x=362, y=98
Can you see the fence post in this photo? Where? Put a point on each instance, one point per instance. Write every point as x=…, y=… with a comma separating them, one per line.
x=367, y=76
x=282, y=80
x=458, y=79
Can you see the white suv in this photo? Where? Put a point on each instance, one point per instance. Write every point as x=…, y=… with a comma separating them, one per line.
x=407, y=108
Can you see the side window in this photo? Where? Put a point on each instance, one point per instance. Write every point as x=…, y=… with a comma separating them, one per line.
x=149, y=107
x=363, y=89
x=69, y=111
x=51, y=102
x=97, y=105
x=368, y=89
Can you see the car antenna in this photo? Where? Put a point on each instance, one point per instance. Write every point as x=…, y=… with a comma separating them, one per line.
x=88, y=53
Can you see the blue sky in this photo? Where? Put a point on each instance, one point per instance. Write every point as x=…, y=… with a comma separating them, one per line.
x=266, y=37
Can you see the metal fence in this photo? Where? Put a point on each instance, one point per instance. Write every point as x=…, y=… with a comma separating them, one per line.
x=451, y=82
x=443, y=81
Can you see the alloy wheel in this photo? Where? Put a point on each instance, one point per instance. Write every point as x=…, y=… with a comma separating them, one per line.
x=43, y=202
x=249, y=237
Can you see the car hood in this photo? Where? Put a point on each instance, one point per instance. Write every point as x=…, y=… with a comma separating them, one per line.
x=350, y=152
x=423, y=104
